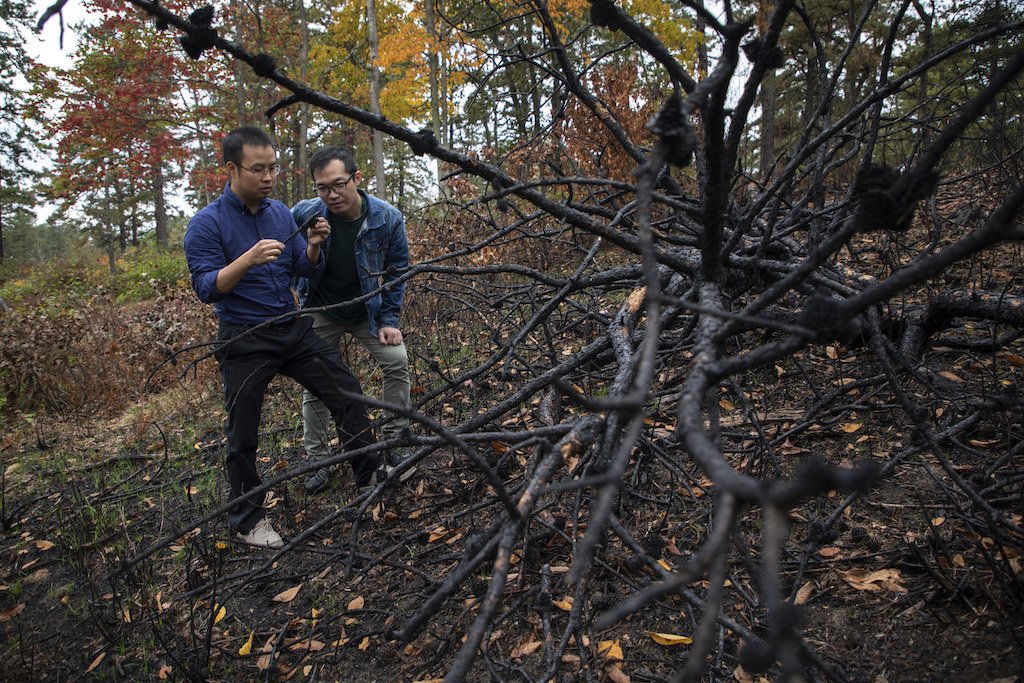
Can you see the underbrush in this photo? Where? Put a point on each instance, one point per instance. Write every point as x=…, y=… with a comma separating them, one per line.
x=80, y=340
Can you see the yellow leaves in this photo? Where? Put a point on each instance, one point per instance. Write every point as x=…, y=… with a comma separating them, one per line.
x=165, y=671
x=610, y=649
x=851, y=427
x=288, y=595
x=669, y=639
x=356, y=603
x=247, y=646
x=880, y=579
x=220, y=614
x=565, y=604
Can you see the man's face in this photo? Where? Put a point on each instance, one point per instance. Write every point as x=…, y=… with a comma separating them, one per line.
x=342, y=197
x=253, y=179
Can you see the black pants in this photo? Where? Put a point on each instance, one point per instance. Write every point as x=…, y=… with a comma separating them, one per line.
x=247, y=365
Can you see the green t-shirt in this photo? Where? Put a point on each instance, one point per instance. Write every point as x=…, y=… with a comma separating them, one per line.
x=340, y=281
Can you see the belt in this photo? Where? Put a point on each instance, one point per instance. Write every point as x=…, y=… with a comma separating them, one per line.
x=279, y=325
x=282, y=325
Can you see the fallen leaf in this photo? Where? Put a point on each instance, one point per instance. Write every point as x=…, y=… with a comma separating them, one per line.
x=565, y=604
x=288, y=595
x=365, y=645
x=96, y=662
x=356, y=603
x=11, y=613
x=263, y=663
x=44, y=545
x=526, y=648
x=851, y=427
x=221, y=613
x=789, y=449
x=616, y=675
x=880, y=579
x=247, y=647
x=665, y=565
x=610, y=649
x=669, y=638
x=938, y=521
x=953, y=377
x=164, y=672
x=804, y=594
x=829, y=551
x=1014, y=359
x=726, y=404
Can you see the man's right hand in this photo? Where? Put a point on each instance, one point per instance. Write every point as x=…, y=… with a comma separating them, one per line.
x=265, y=251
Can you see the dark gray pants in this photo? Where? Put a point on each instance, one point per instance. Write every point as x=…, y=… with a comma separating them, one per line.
x=247, y=365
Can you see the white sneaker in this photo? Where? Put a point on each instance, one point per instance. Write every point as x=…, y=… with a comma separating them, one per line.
x=262, y=535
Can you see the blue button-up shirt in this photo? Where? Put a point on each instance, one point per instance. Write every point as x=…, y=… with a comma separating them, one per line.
x=225, y=230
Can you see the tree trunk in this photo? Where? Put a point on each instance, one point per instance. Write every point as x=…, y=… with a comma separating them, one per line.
x=302, y=180
x=378, y=138
x=768, y=94
x=435, y=104
x=236, y=66
x=160, y=206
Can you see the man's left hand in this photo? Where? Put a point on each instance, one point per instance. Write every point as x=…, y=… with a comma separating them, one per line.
x=389, y=336
x=318, y=232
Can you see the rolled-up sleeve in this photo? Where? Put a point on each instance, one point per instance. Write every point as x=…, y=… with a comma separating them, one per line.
x=205, y=256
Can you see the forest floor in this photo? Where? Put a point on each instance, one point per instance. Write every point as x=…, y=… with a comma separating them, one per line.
x=909, y=585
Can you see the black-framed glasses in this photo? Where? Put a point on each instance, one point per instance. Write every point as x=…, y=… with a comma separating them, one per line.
x=334, y=188
x=272, y=171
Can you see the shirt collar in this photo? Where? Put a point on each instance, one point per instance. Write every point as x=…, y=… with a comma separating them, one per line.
x=236, y=201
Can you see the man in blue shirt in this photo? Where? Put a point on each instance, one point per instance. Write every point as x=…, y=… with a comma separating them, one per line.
x=243, y=251
x=366, y=253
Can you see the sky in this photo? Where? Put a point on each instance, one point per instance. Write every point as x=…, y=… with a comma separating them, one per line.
x=45, y=46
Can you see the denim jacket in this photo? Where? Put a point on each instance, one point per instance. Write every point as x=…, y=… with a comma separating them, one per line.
x=382, y=254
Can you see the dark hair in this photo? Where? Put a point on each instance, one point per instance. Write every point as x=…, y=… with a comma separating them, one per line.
x=232, y=144
x=326, y=155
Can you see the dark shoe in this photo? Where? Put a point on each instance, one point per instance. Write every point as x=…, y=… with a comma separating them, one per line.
x=318, y=481
x=370, y=485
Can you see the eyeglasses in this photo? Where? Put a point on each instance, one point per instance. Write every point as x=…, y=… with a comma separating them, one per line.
x=336, y=188
x=272, y=171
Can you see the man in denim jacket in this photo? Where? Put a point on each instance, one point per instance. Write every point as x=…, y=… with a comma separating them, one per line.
x=365, y=254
